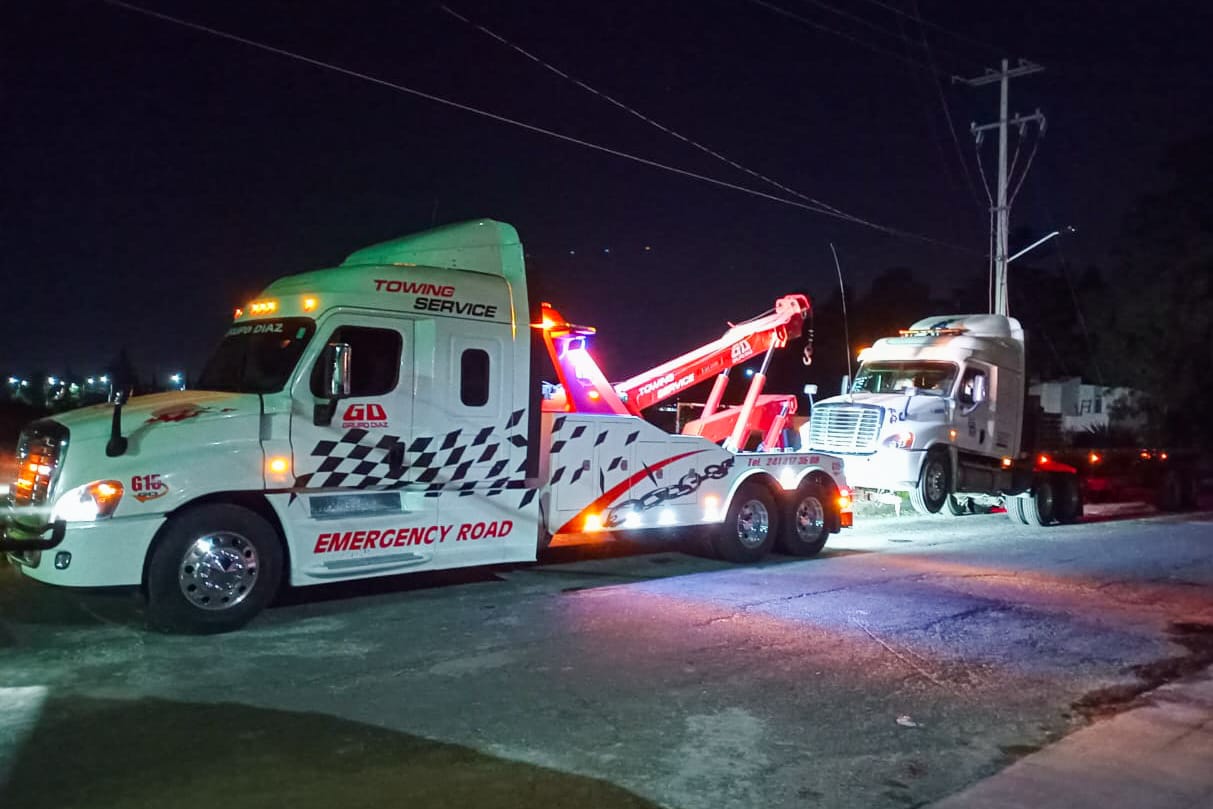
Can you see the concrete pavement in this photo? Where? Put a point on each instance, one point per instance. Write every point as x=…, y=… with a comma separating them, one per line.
x=1155, y=756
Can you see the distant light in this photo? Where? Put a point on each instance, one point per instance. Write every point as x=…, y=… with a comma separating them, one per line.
x=647, y=248
x=749, y=371
x=25, y=383
x=606, y=250
x=105, y=380
x=91, y=380
x=572, y=252
x=175, y=378
x=12, y=380
x=50, y=380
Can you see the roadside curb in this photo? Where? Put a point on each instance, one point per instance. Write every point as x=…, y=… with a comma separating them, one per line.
x=1155, y=756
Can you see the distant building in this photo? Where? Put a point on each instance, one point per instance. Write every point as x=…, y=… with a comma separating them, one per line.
x=1084, y=407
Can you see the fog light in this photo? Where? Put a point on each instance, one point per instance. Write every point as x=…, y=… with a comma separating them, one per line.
x=62, y=560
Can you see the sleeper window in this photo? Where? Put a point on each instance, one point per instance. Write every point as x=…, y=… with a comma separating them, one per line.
x=474, y=377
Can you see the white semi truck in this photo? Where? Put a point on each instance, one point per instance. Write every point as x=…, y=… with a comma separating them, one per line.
x=386, y=416
x=940, y=412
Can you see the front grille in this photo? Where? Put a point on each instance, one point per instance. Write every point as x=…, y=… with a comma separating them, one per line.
x=39, y=455
x=845, y=427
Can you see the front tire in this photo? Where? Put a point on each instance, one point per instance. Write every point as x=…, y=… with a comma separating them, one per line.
x=805, y=526
x=749, y=528
x=934, y=484
x=212, y=569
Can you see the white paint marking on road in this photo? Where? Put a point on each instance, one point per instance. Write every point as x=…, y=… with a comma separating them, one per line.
x=19, y=712
x=713, y=766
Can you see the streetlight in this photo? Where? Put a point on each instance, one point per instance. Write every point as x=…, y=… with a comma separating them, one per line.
x=1040, y=241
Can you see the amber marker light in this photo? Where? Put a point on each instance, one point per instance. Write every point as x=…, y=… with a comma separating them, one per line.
x=279, y=465
x=1094, y=457
x=593, y=523
x=310, y=304
x=1006, y=463
x=844, y=498
x=1044, y=459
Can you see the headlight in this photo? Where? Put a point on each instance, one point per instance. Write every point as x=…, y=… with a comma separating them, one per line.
x=903, y=440
x=92, y=501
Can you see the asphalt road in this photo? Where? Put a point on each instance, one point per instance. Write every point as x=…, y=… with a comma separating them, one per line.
x=912, y=658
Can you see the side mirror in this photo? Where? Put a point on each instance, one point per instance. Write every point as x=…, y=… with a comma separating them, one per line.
x=335, y=361
x=979, y=389
x=845, y=387
x=337, y=358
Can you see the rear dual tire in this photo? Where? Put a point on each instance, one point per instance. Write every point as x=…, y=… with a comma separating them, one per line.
x=807, y=516
x=750, y=526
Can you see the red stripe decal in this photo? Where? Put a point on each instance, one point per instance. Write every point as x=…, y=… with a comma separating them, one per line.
x=612, y=493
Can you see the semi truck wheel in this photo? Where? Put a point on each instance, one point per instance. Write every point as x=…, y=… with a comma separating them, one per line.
x=1067, y=506
x=1014, y=507
x=1039, y=507
x=212, y=569
x=954, y=507
x=934, y=484
x=805, y=525
x=748, y=531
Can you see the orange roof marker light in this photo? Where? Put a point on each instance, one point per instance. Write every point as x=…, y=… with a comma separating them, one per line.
x=263, y=307
x=1006, y=463
x=310, y=303
x=1094, y=458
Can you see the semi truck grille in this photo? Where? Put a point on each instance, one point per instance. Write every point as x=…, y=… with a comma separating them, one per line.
x=39, y=453
x=845, y=428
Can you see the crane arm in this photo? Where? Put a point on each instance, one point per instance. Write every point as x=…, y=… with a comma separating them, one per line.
x=738, y=344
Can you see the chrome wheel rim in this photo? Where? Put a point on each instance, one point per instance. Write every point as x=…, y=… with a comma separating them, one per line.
x=753, y=523
x=218, y=570
x=810, y=518
x=935, y=482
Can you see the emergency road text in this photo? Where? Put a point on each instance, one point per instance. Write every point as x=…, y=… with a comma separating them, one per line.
x=333, y=542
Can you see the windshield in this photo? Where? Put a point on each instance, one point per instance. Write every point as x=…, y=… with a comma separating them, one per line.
x=257, y=357
x=894, y=376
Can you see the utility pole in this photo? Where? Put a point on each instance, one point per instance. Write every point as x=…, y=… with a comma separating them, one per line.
x=1001, y=210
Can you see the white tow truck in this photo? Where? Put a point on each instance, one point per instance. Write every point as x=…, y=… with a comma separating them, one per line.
x=386, y=416
x=939, y=411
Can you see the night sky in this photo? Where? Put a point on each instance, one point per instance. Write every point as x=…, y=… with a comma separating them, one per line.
x=154, y=177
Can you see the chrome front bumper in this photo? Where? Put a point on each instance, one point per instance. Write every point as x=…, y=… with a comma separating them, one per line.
x=16, y=537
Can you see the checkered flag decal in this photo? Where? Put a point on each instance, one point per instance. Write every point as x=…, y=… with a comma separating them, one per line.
x=466, y=461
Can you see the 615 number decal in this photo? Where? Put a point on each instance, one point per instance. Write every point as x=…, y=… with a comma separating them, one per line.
x=148, y=487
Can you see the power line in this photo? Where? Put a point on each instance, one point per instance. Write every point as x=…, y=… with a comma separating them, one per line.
x=964, y=165
x=513, y=122
x=861, y=43
x=956, y=34
x=637, y=114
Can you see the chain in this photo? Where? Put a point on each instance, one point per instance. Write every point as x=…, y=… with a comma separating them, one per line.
x=687, y=484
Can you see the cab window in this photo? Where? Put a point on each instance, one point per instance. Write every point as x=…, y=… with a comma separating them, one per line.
x=375, y=360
